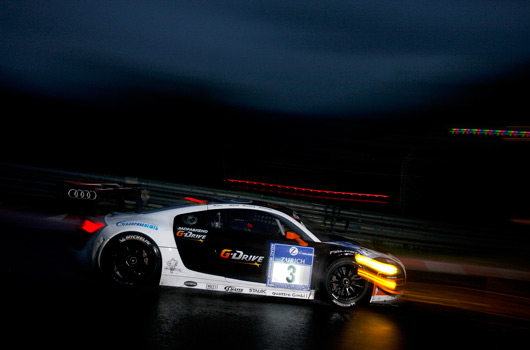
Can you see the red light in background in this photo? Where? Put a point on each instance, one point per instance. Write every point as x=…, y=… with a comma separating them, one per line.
x=309, y=192
x=196, y=200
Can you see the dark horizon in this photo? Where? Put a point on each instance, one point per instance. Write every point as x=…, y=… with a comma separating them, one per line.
x=352, y=97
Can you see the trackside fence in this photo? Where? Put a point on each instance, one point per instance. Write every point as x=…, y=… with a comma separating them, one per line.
x=381, y=231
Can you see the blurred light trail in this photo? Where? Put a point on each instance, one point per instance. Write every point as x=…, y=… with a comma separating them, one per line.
x=310, y=192
x=520, y=221
x=490, y=132
x=200, y=201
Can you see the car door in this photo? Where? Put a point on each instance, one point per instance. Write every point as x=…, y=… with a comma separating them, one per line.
x=256, y=247
x=195, y=237
x=244, y=241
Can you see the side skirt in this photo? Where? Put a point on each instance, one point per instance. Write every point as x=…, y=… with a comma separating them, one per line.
x=234, y=286
x=175, y=274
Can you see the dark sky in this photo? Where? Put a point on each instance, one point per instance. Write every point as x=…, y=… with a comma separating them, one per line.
x=344, y=95
x=343, y=58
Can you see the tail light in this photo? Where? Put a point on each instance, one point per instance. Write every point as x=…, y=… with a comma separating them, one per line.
x=88, y=227
x=92, y=226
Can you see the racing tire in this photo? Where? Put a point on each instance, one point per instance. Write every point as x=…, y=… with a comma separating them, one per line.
x=131, y=259
x=343, y=286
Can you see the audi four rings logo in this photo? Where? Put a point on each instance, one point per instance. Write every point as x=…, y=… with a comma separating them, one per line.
x=82, y=194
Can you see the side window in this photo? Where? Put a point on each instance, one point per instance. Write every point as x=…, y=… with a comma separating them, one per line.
x=252, y=222
x=197, y=222
x=287, y=226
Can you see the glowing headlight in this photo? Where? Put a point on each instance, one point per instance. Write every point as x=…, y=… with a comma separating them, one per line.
x=386, y=269
x=385, y=283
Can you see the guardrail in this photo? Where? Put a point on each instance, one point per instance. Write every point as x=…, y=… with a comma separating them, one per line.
x=365, y=227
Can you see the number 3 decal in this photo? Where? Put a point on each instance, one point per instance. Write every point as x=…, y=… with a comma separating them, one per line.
x=290, y=266
x=292, y=270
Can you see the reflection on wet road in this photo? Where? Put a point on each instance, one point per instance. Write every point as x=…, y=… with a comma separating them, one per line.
x=271, y=324
x=49, y=302
x=91, y=314
x=501, y=304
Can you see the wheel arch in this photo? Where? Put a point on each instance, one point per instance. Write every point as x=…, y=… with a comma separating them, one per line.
x=117, y=235
x=140, y=236
x=329, y=256
x=332, y=258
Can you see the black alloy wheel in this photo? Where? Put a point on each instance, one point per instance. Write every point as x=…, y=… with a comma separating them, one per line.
x=343, y=285
x=131, y=259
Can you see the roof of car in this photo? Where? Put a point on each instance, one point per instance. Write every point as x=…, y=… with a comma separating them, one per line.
x=269, y=205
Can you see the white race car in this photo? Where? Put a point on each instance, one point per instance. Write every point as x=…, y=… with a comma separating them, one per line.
x=229, y=246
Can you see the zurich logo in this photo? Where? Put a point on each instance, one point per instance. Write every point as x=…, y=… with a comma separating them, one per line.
x=293, y=251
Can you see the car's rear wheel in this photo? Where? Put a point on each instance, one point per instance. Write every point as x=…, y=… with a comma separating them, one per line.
x=131, y=259
x=344, y=287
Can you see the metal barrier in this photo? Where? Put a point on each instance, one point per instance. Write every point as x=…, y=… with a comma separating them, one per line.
x=365, y=227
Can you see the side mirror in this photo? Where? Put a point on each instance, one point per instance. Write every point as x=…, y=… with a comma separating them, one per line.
x=290, y=235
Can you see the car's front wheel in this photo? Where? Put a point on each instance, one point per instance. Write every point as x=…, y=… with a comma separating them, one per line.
x=343, y=286
x=131, y=259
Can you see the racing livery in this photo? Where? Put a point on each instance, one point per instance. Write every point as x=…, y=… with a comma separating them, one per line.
x=252, y=248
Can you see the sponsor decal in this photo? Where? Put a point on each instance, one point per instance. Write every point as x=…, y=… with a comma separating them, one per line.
x=299, y=295
x=260, y=291
x=233, y=289
x=135, y=237
x=290, y=267
x=190, y=234
x=379, y=296
x=171, y=265
x=192, y=229
x=212, y=286
x=138, y=224
x=344, y=252
x=190, y=284
x=238, y=256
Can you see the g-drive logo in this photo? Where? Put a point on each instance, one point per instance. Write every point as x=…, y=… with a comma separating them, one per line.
x=240, y=257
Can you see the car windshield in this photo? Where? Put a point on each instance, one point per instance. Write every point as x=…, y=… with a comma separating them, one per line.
x=317, y=228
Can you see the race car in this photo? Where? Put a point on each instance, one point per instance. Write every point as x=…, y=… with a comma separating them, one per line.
x=239, y=247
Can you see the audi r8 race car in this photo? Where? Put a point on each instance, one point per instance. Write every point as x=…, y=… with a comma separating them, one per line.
x=252, y=248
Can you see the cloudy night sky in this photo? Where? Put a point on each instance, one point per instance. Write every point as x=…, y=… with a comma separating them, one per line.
x=304, y=57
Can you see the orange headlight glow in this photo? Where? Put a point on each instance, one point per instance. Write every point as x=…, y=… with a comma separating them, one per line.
x=378, y=266
x=381, y=281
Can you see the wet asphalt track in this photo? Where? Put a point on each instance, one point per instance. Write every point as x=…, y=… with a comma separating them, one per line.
x=47, y=302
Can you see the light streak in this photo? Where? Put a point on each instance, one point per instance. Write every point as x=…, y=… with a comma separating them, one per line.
x=388, y=285
x=387, y=269
x=490, y=132
x=310, y=192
